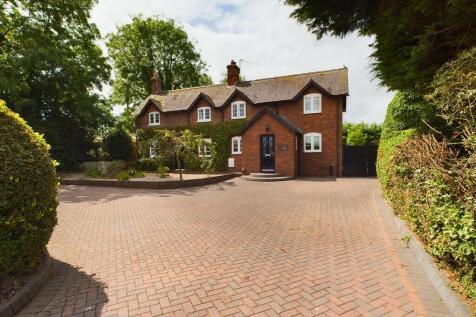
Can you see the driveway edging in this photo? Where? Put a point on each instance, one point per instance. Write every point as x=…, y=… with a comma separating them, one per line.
x=28, y=292
x=150, y=184
x=440, y=282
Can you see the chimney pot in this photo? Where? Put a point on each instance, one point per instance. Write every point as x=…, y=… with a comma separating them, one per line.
x=155, y=83
x=233, y=73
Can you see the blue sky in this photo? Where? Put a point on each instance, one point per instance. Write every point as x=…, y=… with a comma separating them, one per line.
x=265, y=37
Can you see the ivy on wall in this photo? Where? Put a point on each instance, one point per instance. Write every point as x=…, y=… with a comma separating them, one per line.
x=220, y=134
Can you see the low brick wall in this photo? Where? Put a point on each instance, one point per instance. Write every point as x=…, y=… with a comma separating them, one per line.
x=150, y=184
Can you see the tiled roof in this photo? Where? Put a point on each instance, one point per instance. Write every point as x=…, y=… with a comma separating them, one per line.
x=257, y=91
x=291, y=127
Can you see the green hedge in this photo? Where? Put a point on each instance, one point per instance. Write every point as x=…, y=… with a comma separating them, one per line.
x=27, y=194
x=119, y=145
x=429, y=177
x=220, y=133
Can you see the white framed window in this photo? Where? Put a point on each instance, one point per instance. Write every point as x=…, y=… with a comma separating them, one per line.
x=236, y=145
x=312, y=142
x=205, y=150
x=312, y=103
x=204, y=114
x=154, y=118
x=152, y=151
x=238, y=110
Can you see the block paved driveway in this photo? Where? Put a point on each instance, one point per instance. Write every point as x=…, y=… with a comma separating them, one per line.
x=308, y=247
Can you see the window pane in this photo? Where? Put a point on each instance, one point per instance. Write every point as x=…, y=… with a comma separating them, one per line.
x=207, y=113
x=235, y=112
x=317, y=143
x=200, y=114
x=242, y=110
x=307, y=140
x=307, y=104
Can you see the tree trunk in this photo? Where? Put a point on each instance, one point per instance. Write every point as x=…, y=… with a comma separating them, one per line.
x=179, y=167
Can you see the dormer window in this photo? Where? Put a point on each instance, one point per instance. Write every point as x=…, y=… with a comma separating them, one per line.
x=312, y=103
x=204, y=114
x=154, y=118
x=238, y=110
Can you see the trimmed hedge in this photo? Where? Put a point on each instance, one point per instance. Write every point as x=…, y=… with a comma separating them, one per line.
x=220, y=133
x=27, y=194
x=430, y=177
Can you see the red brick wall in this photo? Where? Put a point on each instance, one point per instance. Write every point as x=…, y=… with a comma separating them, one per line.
x=328, y=123
x=167, y=119
x=251, y=110
x=216, y=114
x=249, y=160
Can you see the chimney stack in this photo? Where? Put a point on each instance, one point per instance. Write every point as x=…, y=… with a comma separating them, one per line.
x=155, y=83
x=233, y=73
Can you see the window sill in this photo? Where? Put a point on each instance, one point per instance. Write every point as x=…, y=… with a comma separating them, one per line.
x=315, y=112
x=204, y=120
x=237, y=118
x=320, y=151
x=236, y=153
x=154, y=124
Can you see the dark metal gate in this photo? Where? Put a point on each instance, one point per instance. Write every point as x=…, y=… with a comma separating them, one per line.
x=360, y=160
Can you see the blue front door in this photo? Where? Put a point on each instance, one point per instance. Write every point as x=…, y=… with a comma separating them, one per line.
x=267, y=153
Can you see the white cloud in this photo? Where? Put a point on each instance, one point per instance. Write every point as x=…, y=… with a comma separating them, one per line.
x=265, y=37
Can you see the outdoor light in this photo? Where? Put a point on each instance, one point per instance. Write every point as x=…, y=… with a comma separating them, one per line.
x=266, y=127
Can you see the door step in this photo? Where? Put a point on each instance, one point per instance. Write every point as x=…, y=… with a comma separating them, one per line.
x=266, y=177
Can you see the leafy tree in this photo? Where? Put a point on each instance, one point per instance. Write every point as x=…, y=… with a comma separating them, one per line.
x=118, y=144
x=361, y=133
x=51, y=70
x=143, y=45
x=180, y=145
x=413, y=38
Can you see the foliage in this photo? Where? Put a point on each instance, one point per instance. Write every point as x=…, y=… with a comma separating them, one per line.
x=146, y=44
x=454, y=93
x=430, y=178
x=220, y=133
x=122, y=176
x=387, y=149
x=180, y=145
x=413, y=39
x=51, y=70
x=434, y=190
x=361, y=133
x=163, y=171
x=409, y=111
x=118, y=144
x=92, y=171
x=27, y=197
x=135, y=173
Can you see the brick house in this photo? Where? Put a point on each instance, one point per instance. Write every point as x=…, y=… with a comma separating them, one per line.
x=294, y=123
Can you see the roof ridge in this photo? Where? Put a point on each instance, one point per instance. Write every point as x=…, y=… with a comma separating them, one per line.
x=259, y=79
x=300, y=74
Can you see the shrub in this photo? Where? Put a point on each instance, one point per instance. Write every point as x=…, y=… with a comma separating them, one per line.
x=27, y=194
x=430, y=178
x=152, y=164
x=433, y=189
x=119, y=145
x=122, y=176
x=163, y=171
x=91, y=171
